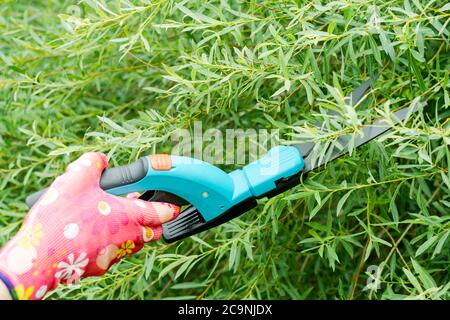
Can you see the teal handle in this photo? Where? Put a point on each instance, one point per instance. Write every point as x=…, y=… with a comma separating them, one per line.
x=213, y=191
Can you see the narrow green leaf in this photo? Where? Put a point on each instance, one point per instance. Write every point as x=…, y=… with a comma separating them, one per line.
x=426, y=279
x=413, y=280
x=189, y=285
x=149, y=264
x=387, y=45
x=342, y=201
x=440, y=244
x=426, y=245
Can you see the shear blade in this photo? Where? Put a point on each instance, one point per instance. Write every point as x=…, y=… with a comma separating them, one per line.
x=351, y=99
x=369, y=132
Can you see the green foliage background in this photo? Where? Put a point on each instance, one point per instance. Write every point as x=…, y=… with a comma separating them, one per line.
x=122, y=76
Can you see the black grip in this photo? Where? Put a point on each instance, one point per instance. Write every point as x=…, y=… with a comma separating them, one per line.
x=123, y=175
x=111, y=178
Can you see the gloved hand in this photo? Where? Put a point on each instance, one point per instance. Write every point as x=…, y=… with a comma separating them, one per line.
x=77, y=230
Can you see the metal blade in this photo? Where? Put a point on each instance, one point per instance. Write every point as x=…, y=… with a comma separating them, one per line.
x=359, y=92
x=351, y=99
x=370, y=132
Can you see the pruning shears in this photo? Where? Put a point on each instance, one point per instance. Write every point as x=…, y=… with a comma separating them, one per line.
x=212, y=196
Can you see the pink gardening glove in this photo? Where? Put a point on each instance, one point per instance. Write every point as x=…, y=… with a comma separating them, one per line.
x=77, y=230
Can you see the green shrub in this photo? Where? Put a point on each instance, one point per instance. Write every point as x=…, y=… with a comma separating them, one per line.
x=121, y=76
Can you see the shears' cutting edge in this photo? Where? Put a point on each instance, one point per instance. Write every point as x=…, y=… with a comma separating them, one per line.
x=213, y=196
x=369, y=132
x=352, y=99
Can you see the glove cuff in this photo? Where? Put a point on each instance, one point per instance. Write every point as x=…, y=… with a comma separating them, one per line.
x=22, y=285
x=9, y=285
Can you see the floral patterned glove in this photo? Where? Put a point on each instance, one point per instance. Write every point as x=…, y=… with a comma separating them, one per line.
x=77, y=230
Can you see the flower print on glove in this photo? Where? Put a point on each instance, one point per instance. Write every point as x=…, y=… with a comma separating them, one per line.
x=77, y=230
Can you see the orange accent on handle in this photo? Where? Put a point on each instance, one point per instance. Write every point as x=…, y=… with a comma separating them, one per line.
x=160, y=161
